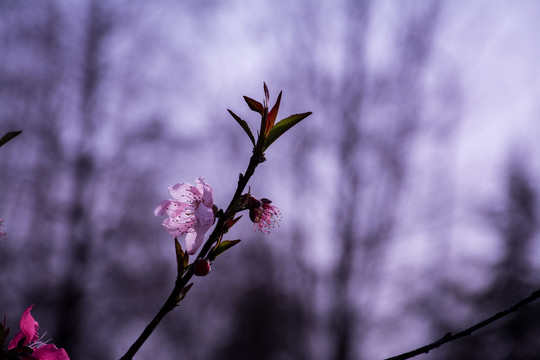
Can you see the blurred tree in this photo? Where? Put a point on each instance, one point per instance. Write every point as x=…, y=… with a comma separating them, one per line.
x=345, y=319
x=77, y=189
x=513, y=277
x=380, y=120
x=82, y=176
x=268, y=320
x=371, y=114
x=92, y=85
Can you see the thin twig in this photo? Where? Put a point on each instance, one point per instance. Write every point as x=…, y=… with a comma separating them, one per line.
x=467, y=332
x=181, y=282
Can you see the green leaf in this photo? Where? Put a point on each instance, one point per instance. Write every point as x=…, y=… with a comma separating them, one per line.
x=182, y=258
x=230, y=224
x=234, y=221
x=183, y=293
x=244, y=126
x=10, y=135
x=254, y=105
x=241, y=202
x=223, y=246
x=272, y=115
x=281, y=127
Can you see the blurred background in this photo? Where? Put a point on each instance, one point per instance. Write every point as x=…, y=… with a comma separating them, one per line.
x=409, y=198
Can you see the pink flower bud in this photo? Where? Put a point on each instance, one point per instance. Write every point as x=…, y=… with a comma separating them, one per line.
x=263, y=215
x=201, y=267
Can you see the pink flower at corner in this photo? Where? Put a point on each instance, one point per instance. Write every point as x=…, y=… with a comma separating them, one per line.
x=50, y=352
x=29, y=330
x=264, y=215
x=28, y=335
x=191, y=212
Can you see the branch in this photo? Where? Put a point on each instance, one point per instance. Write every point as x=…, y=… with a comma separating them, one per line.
x=467, y=332
x=8, y=136
x=181, y=282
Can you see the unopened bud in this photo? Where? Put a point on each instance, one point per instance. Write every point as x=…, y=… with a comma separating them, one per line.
x=201, y=267
x=253, y=203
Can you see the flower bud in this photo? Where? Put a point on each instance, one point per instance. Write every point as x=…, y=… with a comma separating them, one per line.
x=263, y=215
x=201, y=267
x=253, y=203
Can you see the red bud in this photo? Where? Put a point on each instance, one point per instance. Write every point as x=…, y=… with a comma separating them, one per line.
x=201, y=267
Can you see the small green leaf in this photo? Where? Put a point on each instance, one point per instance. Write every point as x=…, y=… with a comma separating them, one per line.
x=10, y=135
x=244, y=126
x=223, y=246
x=186, y=261
x=272, y=115
x=254, y=105
x=240, y=203
x=182, y=258
x=183, y=293
x=4, y=333
x=281, y=127
x=230, y=224
x=234, y=221
x=266, y=93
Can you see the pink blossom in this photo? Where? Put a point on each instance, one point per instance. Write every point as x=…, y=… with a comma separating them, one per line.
x=191, y=212
x=264, y=215
x=50, y=352
x=29, y=336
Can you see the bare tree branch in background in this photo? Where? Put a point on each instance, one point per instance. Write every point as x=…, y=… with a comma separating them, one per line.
x=511, y=278
x=344, y=319
x=470, y=330
x=83, y=177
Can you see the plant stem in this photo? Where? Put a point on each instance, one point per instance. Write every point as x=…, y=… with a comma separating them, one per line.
x=255, y=160
x=242, y=183
x=181, y=281
x=468, y=332
x=169, y=304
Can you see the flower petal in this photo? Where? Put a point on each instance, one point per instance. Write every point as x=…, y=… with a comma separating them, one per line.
x=29, y=329
x=50, y=352
x=204, y=216
x=201, y=229
x=195, y=237
x=169, y=207
x=193, y=241
x=15, y=341
x=184, y=192
x=206, y=191
x=29, y=326
x=177, y=226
